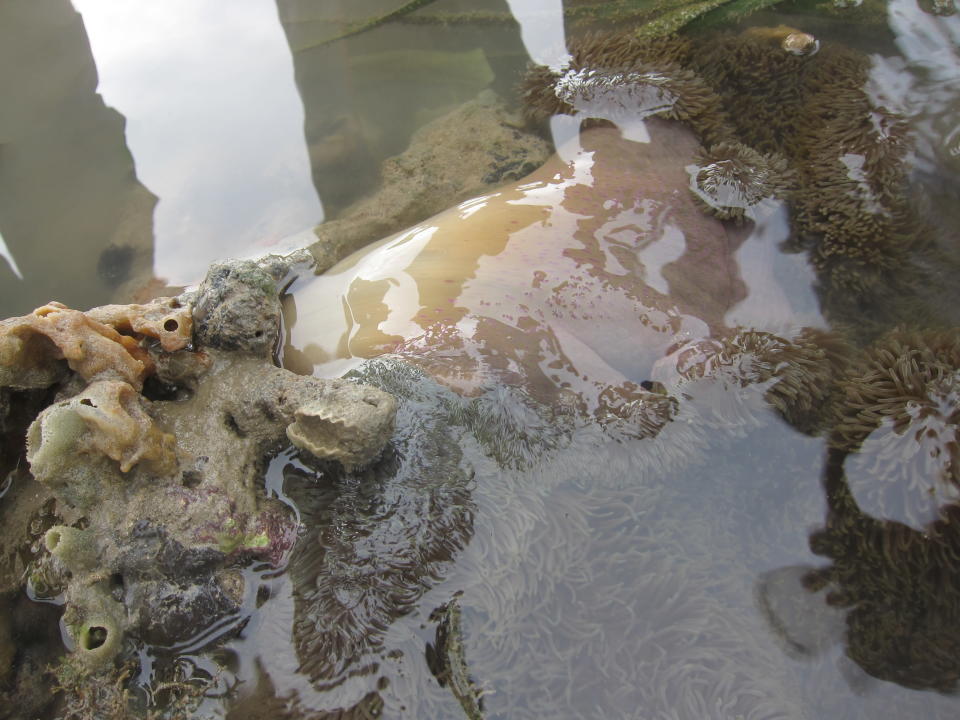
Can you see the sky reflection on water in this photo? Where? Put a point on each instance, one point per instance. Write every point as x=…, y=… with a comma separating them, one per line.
x=214, y=123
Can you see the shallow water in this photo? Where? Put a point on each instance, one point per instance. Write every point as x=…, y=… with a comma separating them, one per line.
x=558, y=566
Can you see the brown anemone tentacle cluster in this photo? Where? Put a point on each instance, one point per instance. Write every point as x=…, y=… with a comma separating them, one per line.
x=734, y=181
x=796, y=373
x=762, y=87
x=854, y=206
x=897, y=419
x=646, y=76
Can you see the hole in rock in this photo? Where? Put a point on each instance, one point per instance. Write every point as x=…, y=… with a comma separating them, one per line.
x=95, y=637
x=170, y=325
x=88, y=402
x=263, y=594
x=116, y=587
x=155, y=389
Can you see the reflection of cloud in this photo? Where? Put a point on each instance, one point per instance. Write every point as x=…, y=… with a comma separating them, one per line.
x=541, y=28
x=214, y=122
x=8, y=256
x=924, y=84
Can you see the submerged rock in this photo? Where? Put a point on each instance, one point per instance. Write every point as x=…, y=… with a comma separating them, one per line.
x=471, y=150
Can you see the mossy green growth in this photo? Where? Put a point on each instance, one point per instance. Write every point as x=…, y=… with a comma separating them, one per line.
x=228, y=542
x=260, y=279
x=673, y=20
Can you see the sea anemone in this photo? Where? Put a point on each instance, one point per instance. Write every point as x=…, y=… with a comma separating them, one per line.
x=897, y=416
x=853, y=207
x=762, y=85
x=619, y=76
x=793, y=376
x=734, y=181
x=377, y=540
x=899, y=585
x=579, y=603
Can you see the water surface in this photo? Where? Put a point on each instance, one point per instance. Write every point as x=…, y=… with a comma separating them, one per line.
x=509, y=557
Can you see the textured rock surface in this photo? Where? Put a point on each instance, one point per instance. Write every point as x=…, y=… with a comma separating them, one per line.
x=236, y=308
x=167, y=485
x=31, y=345
x=345, y=430
x=165, y=319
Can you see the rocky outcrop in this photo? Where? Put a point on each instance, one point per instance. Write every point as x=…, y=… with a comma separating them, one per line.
x=163, y=419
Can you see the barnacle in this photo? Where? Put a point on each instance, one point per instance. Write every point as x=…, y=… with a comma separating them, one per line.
x=349, y=432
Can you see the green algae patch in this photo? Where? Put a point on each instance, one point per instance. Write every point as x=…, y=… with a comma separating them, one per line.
x=230, y=542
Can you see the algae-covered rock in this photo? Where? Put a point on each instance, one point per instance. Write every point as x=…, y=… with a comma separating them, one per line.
x=471, y=150
x=236, y=307
x=159, y=502
x=75, y=548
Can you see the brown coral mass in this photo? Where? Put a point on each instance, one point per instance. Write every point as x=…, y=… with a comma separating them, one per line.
x=579, y=277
